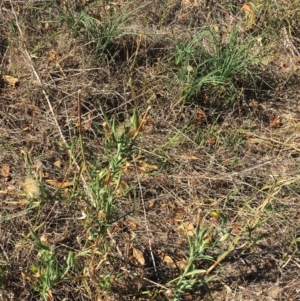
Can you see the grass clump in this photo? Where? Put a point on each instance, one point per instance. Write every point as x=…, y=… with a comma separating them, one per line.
x=101, y=24
x=214, y=63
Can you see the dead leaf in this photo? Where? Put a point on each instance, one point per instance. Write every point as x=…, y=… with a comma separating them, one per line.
x=5, y=171
x=183, y=17
x=87, y=124
x=256, y=105
x=101, y=215
x=189, y=68
x=168, y=293
x=187, y=227
x=182, y=264
x=33, y=108
x=122, y=188
x=57, y=164
x=275, y=122
x=46, y=25
x=169, y=261
x=12, y=81
x=151, y=203
x=173, y=221
x=107, y=178
x=215, y=28
x=211, y=141
x=138, y=255
x=250, y=16
x=235, y=229
x=143, y=166
x=58, y=184
x=52, y=56
x=132, y=225
x=246, y=8
x=200, y=117
x=45, y=239
x=186, y=3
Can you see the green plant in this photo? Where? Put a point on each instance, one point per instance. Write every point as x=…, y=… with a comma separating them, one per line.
x=201, y=247
x=47, y=272
x=100, y=25
x=108, y=186
x=212, y=65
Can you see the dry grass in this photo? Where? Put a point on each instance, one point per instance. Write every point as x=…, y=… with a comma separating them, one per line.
x=161, y=141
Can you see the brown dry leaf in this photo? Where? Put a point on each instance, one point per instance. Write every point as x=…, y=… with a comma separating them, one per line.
x=151, y=203
x=183, y=17
x=187, y=227
x=26, y=277
x=256, y=105
x=12, y=81
x=186, y=3
x=189, y=68
x=200, y=117
x=57, y=164
x=5, y=171
x=122, y=187
x=168, y=293
x=215, y=28
x=246, y=8
x=52, y=55
x=169, y=261
x=275, y=122
x=235, y=229
x=101, y=215
x=58, y=184
x=211, y=141
x=143, y=166
x=46, y=25
x=138, y=255
x=182, y=264
x=188, y=296
x=33, y=108
x=45, y=239
x=249, y=15
x=132, y=225
x=107, y=178
x=87, y=123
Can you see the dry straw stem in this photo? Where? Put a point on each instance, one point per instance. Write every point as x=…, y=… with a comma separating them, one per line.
x=14, y=215
x=49, y=104
x=144, y=210
x=290, y=146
